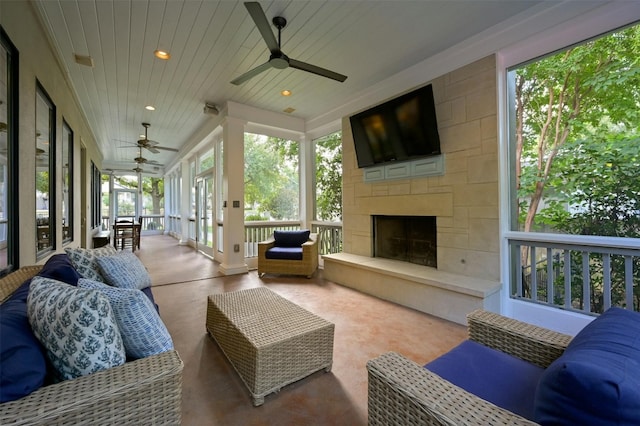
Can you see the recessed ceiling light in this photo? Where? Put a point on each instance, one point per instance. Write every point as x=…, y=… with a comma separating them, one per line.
x=286, y=92
x=289, y=110
x=162, y=54
x=150, y=108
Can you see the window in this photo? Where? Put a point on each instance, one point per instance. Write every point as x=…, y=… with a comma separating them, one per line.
x=575, y=133
x=8, y=155
x=96, y=194
x=67, y=183
x=328, y=178
x=271, y=178
x=206, y=161
x=153, y=202
x=45, y=174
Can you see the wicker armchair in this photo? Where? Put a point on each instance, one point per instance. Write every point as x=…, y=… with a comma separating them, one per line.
x=307, y=266
x=402, y=392
x=145, y=391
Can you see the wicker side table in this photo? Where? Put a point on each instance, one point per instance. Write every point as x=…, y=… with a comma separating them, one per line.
x=270, y=341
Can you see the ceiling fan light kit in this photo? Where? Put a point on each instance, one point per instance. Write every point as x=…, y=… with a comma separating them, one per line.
x=277, y=59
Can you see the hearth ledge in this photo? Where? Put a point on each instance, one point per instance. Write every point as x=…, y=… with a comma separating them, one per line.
x=426, y=289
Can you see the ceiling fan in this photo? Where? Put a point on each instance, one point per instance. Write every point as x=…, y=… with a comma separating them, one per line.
x=141, y=160
x=150, y=145
x=277, y=59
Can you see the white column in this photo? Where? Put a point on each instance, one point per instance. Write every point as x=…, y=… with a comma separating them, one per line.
x=185, y=203
x=307, y=193
x=233, y=261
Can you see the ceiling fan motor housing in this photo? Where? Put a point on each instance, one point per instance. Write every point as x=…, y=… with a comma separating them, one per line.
x=279, y=60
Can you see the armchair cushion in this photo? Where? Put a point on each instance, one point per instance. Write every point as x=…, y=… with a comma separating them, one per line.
x=597, y=379
x=284, y=253
x=492, y=375
x=291, y=238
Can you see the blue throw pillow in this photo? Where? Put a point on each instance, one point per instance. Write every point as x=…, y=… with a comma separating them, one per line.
x=23, y=366
x=143, y=332
x=597, y=378
x=291, y=238
x=60, y=268
x=124, y=270
x=504, y=380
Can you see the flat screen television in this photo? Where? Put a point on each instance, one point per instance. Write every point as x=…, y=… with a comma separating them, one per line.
x=402, y=129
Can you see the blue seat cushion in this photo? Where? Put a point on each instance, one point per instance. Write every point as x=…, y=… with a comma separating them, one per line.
x=284, y=253
x=23, y=365
x=291, y=238
x=597, y=379
x=502, y=379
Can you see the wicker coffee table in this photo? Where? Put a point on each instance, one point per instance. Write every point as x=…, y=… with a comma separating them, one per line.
x=269, y=340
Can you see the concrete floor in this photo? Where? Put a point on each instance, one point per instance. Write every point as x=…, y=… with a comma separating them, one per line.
x=213, y=394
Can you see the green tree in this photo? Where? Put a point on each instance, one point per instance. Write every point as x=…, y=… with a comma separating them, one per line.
x=271, y=176
x=588, y=90
x=577, y=157
x=154, y=187
x=329, y=177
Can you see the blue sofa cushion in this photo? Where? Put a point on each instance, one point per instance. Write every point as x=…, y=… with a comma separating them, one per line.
x=291, y=238
x=60, y=268
x=284, y=253
x=23, y=366
x=494, y=376
x=597, y=378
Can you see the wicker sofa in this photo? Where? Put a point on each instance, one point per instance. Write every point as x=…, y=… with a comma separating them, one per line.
x=283, y=263
x=144, y=391
x=402, y=392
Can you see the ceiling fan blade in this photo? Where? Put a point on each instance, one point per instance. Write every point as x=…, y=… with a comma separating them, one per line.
x=261, y=21
x=165, y=148
x=316, y=70
x=152, y=149
x=251, y=73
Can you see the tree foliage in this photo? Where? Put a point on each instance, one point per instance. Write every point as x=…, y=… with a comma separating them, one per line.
x=585, y=95
x=271, y=179
x=328, y=177
x=577, y=157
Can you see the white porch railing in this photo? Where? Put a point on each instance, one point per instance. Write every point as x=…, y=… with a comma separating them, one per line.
x=578, y=273
x=151, y=223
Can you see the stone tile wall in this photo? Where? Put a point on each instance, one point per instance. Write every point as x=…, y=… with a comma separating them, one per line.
x=464, y=199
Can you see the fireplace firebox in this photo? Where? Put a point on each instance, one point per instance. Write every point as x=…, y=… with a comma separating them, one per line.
x=406, y=238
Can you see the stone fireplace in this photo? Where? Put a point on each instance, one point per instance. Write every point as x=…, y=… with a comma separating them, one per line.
x=463, y=201
x=406, y=238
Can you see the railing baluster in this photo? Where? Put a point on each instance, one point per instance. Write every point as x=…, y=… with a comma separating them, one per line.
x=534, y=274
x=518, y=259
x=586, y=283
x=628, y=281
x=550, y=275
x=606, y=280
x=567, y=279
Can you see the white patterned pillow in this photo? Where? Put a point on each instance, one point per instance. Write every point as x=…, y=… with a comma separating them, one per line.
x=124, y=270
x=142, y=330
x=84, y=260
x=76, y=326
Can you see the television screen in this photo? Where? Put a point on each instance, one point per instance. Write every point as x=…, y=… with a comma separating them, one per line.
x=402, y=129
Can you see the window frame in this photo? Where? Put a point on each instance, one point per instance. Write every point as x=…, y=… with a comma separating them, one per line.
x=52, y=222
x=12, y=178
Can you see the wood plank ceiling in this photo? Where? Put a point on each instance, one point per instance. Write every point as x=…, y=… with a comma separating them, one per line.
x=212, y=42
